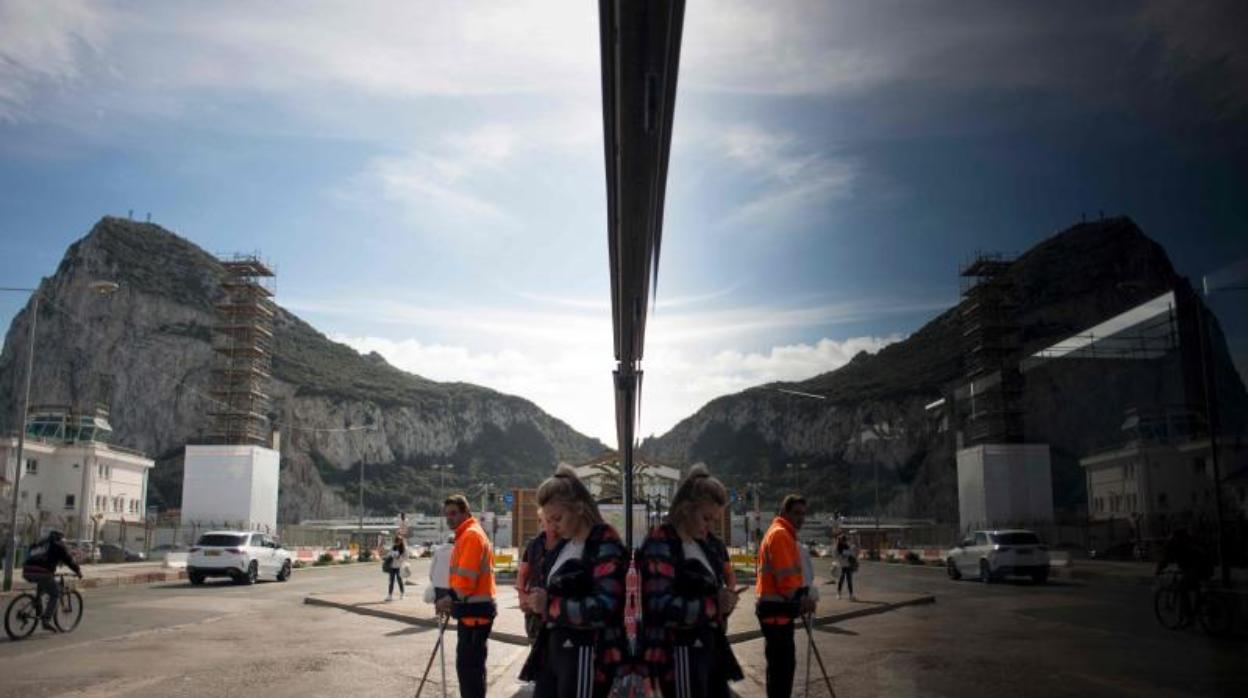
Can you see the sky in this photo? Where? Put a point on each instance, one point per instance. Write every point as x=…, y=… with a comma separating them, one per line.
x=428, y=179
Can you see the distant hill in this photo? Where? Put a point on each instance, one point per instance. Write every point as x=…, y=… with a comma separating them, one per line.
x=874, y=414
x=153, y=336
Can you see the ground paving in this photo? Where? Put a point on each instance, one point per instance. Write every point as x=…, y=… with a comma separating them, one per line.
x=1068, y=638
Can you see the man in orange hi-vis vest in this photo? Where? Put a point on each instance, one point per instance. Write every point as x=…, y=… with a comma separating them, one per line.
x=471, y=601
x=782, y=594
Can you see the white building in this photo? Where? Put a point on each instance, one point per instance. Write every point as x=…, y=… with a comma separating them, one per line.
x=72, y=478
x=1163, y=468
x=1004, y=484
x=230, y=486
x=651, y=480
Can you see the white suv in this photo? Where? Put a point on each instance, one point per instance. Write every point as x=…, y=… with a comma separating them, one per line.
x=241, y=555
x=991, y=555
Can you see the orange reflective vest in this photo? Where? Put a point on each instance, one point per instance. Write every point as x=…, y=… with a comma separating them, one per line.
x=472, y=573
x=780, y=585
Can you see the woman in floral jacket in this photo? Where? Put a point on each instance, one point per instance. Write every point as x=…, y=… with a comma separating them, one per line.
x=579, y=594
x=687, y=594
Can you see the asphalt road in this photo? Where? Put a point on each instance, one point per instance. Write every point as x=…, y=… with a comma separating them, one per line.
x=1009, y=639
x=1018, y=639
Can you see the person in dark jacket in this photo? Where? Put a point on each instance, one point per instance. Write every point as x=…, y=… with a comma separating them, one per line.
x=688, y=593
x=42, y=561
x=533, y=570
x=581, y=646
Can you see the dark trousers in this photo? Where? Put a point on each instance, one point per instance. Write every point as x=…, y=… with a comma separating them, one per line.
x=568, y=670
x=781, y=659
x=470, y=659
x=396, y=575
x=846, y=577
x=695, y=670
x=48, y=591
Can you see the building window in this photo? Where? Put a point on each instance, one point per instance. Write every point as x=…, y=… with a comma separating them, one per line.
x=38, y=500
x=69, y=501
x=75, y=466
x=24, y=493
x=32, y=466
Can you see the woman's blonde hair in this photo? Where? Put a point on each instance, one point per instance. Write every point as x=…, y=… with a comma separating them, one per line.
x=565, y=488
x=698, y=487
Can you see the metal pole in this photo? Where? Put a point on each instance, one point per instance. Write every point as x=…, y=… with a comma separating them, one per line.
x=10, y=560
x=361, y=504
x=875, y=465
x=1212, y=416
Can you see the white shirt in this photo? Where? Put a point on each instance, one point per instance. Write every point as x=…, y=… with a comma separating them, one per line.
x=693, y=551
x=572, y=550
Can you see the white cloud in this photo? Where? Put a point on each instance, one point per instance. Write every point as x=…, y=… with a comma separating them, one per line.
x=41, y=45
x=786, y=176
x=561, y=357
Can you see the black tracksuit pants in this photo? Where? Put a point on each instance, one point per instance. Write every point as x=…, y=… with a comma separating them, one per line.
x=781, y=659
x=470, y=653
x=569, y=669
x=696, y=673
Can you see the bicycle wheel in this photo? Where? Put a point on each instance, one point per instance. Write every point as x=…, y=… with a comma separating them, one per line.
x=1215, y=615
x=21, y=617
x=68, y=611
x=1168, y=606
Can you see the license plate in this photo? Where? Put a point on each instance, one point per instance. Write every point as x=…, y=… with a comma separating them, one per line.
x=212, y=553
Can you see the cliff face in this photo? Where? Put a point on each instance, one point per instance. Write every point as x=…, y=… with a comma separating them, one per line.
x=874, y=414
x=153, y=337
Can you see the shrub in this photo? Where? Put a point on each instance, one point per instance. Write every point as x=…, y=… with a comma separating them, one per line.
x=324, y=559
x=298, y=564
x=365, y=556
x=913, y=558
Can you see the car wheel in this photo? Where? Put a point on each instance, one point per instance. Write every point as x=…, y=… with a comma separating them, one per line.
x=195, y=578
x=284, y=574
x=253, y=573
x=954, y=573
x=985, y=572
x=1039, y=577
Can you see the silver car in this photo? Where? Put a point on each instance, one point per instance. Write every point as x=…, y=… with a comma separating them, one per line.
x=993, y=555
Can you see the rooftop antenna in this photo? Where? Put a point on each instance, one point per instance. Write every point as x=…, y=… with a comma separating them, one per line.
x=149, y=217
x=130, y=214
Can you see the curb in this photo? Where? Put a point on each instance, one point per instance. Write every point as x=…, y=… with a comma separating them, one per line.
x=874, y=609
x=108, y=582
x=506, y=638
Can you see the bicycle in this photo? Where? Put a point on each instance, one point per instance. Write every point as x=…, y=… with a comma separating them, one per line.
x=1176, y=607
x=25, y=610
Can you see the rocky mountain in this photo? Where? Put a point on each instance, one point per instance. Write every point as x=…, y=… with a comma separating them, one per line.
x=874, y=420
x=153, y=338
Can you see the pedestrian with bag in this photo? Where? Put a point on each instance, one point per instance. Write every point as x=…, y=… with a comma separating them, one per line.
x=688, y=593
x=581, y=645
x=847, y=561
x=471, y=598
x=393, y=564
x=783, y=594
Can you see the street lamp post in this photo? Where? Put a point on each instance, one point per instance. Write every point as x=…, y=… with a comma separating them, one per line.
x=1211, y=416
x=10, y=560
x=441, y=468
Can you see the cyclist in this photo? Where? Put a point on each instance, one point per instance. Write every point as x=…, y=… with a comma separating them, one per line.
x=1194, y=565
x=42, y=560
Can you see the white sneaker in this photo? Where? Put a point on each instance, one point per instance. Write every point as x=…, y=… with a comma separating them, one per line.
x=402, y=594
x=853, y=598
x=389, y=598
x=838, y=596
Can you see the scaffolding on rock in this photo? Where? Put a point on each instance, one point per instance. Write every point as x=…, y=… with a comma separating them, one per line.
x=243, y=344
x=991, y=342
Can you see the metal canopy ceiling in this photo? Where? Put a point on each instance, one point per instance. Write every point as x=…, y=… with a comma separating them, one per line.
x=640, y=42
